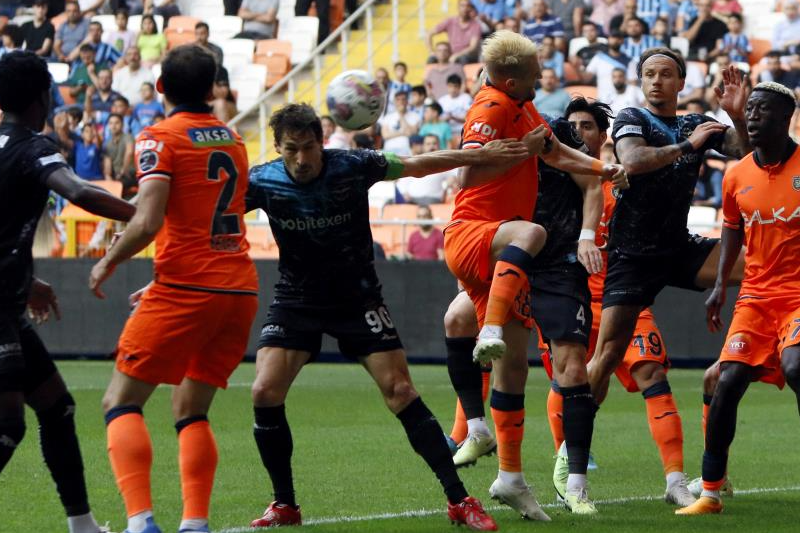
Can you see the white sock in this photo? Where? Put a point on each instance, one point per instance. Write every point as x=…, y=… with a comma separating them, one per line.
x=673, y=478
x=193, y=524
x=491, y=332
x=138, y=522
x=477, y=425
x=710, y=494
x=576, y=483
x=515, y=479
x=83, y=523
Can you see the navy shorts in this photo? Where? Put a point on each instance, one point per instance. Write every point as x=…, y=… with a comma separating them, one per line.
x=25, y=363
x=561, y=303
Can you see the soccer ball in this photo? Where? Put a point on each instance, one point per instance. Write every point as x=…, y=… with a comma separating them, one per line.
x=355, y=100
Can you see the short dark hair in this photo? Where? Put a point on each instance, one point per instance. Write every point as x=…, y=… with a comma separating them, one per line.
x=122, y=11
x=660, y=50
x=433, y=135
x=737, y=16
x=95, y=23
x=15, y=33
x=419, y=89
x=619, y=34
x=401, y=64
x=774, y=54
x=401, y=93
x=454, y=79
x=201, y=24
x=23, y=79
x=436, y=107
x=187, y=74
x=86, y=47
x=295, y=118
x=364, y=141
x=116, y=115
x=40, y=3
x=152, y=87
x=122, y=99
x=326, y=117
x=601, y=112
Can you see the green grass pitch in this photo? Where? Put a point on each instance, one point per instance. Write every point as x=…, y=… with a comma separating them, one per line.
x=352, y=460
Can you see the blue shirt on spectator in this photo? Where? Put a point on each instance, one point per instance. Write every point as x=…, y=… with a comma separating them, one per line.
x=87, y=161
x=651, y=10
x=494, y=12
x=634, y=50
x=688, y=11
x=144, y=112
x=556, y=63
x=738, y=46
x=72, y=36
x=549, y=25
x=106, y=54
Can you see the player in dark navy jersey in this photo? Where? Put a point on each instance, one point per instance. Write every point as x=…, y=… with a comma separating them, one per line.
x=30, y=167
x=317, y=205
x=650, y=246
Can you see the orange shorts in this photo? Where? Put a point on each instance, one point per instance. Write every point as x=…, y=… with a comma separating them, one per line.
x=646, y=345
x=761, y=328
x=175, y=333
x=468, y=251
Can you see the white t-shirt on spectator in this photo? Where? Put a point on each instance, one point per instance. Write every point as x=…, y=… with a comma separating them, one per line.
x=427, y=188
x=631, y=97
x=86, y=4
x=128, y=83
x=398, y=145
x=694, y=79
x=458, y=105
x=602, y=66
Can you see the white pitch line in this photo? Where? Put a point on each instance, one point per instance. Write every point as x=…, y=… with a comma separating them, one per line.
x=430, y=512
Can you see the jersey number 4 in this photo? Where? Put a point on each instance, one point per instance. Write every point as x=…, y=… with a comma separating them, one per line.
x=223, y=223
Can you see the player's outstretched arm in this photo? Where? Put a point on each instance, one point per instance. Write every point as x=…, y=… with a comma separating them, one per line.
x=94, y=199
x=588, y=253
x=568, y=159
x=142, y=229
x=732, y=98
x=732, y=240
x=495, y=155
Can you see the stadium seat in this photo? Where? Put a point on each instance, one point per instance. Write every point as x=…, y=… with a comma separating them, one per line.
x=470, y=72
x=249, y=80
x=111, y=186
x=760, y=49
x=681, y=44
x=374, y=213
x=59, y=71
x=268, y=47
x=382, y=193
x=587, y=91
x=389, y=236
x=237, y=52
x=400, y=212
x=763, y=25
x=182, y=22
x=106, y=21
x=204, y=9
x=577, y=43
x=135, y=23
x=570, y=73
x=701, y=218
x=302, y=33
x=223, y=28
x=442, y=211
x=64, y=92
x=177, y=37
x=278, y=65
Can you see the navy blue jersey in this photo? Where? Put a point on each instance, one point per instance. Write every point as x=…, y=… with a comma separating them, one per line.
x=650, y=217
x=26, y=161
x=322, y=227
x=559, y=206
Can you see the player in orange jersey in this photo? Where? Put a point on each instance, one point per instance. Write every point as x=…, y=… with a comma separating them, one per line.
x=761, y=208
x=190, y=327
x=491, y=231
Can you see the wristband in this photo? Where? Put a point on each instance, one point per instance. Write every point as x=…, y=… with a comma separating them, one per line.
x=587, y=235
x=686, y=147
x=597, y=166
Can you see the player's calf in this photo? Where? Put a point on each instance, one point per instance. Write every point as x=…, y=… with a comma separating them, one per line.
x=12, y=431
x=790, y=364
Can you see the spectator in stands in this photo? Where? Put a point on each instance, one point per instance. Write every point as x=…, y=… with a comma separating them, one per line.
x=118, y=153
x=201, y=33
x=661, y=33
x=437, y=74
x=427, y=242
x=775, y=72
x=430, y=189
x=455, y=105
x=232, y=7
x=417, y=143
x=224, y=104
x=339, y=138
x=363, y=141
x=599, y=69
x=83, y=74
x=383, y=79
x=71, y=34
x=152, y=44
x=726, y=8
x=100, y=97
x=603, y=11
x=583, y=56
x=637, y=40
x=416, y=100
x=620, y=22
x=510, y=24
x=463, y=34
x=105, y=54
x=164, y=8
x=399, y=83
x=704, y=32
x=148, y=107
x=550, y=98
x=432, y=124
x=651, y=10
x=786, y=36
x=735, y=43
x=571, y=14
x=623, y=94
x=13, y=39
x=260, y=19
x=120, y=106
x=323, y=8
x=8, y=8
x=541, y=23
x=397, y=126
x=693, y=85
x=549, y=57
x=492, y=12
x=39, y=33
x=88, y=153
x=122, y=38
x=128, y=79
x=89, y=8
x=687, y=13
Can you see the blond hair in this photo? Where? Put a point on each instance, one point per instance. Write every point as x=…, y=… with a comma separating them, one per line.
x=507, y=54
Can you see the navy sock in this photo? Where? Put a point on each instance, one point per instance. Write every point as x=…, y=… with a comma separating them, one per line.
x=275, y=445
x=465, y=375
x=578, y=422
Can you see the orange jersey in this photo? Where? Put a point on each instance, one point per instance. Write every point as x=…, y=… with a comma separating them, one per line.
x=202, y=242
x=765, y=201
x=596, y=281
x=511, y=195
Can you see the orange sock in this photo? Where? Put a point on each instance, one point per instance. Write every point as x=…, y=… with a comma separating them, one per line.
x=555, y=411
x=486, y=378
x=508, y=413
x=197, y=455
x=508, y=280
x=665, y=426
x=131, y=455
x=459, y=431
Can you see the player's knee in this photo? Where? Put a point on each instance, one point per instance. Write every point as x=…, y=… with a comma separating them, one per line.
x=12, y=431
x=61, y=413
x=399, y=394
x=267, y=394
x=460, y=320
x=710, y=378
x=733, y=380
x=790, y=364
x=573, y=373
x=531, y=238
x=648, y=374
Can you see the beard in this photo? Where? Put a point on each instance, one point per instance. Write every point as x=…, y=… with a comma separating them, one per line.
x=620, y=87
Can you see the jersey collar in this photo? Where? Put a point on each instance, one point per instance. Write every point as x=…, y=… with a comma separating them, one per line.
x=191, y=108
x=791, y=146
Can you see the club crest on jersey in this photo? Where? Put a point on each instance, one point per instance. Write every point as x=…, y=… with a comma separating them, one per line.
x=148, y=160
x=796, y=183
x=215, y=136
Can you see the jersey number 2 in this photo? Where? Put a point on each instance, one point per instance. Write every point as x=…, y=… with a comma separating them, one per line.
x=224, y=224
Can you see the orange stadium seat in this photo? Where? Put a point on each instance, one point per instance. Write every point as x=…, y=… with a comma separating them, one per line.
x=182, y=22
x=374, y=213
x=587, y=91
x=268, y=47
x=113, y=187
x=390, y=238
x=570, y=73
x=177, y=37
x=400, y=212
x=64, y=92
x=278, y=65
x=760, y=49
x=442, y=211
